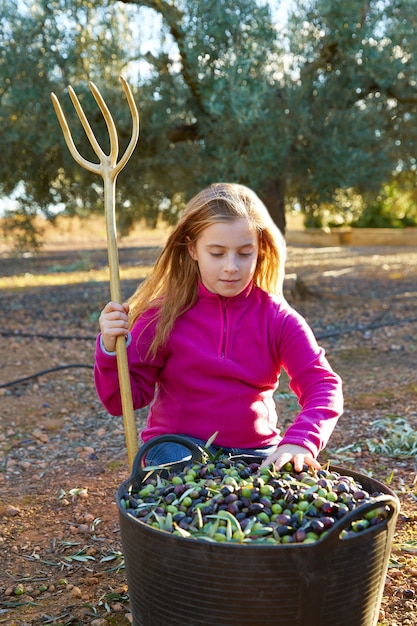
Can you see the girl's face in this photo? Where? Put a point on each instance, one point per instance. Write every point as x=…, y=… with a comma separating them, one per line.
x=226, y=253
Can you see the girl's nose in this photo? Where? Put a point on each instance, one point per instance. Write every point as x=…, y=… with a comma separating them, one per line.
x=231, y=263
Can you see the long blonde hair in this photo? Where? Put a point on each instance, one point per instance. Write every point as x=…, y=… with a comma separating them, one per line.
x=171, y=288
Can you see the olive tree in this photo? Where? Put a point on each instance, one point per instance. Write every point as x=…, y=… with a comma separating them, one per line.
x=354, y=97
x=316, y=112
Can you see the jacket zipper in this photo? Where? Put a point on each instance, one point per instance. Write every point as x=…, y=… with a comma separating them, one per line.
x=224, y=307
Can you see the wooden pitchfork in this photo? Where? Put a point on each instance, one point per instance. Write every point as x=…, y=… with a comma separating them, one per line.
x=108, y=168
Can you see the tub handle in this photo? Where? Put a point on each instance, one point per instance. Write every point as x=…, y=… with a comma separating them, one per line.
x=140, y=470
x=333, y=534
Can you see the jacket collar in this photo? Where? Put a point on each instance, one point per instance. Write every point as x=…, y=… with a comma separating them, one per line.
x=203, y=292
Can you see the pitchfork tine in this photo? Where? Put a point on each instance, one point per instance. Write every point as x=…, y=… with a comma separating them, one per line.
x=114, y=143
x=88, y=131
x=93, y=167
x=135, y=127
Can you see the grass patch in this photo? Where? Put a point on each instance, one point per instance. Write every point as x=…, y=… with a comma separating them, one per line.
x=71, y=277
x=398, y=438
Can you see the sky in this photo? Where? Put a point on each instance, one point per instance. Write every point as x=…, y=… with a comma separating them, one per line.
x=280, y=9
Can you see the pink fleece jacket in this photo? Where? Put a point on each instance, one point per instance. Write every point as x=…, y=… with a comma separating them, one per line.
x=219, y=371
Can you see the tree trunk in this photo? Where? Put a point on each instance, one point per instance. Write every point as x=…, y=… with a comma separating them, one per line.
x=273, y=196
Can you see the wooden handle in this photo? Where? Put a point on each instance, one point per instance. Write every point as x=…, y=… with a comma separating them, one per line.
x=116, y=296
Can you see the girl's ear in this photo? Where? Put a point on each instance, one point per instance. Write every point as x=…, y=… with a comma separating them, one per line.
x=191, y=249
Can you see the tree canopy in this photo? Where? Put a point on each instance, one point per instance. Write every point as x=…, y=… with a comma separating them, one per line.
x=317, y=112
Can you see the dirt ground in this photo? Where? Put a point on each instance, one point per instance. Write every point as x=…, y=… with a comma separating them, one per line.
x=63, y=457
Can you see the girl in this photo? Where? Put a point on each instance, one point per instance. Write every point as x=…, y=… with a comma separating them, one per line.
x=208, y=332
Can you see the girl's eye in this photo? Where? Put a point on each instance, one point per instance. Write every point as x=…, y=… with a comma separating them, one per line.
x=244, y=255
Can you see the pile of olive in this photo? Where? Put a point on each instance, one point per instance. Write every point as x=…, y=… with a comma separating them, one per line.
x=231, y=500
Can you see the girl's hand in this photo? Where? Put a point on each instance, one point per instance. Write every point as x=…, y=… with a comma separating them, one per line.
x=288, y=453
x=113, y=323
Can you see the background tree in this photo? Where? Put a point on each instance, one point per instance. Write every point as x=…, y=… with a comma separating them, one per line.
x=213, y=109
x=316, y=113
x=45, y=46
x=354, y=98
x=334, y=119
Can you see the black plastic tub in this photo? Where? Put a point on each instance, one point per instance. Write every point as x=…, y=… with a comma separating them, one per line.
x=176, y=581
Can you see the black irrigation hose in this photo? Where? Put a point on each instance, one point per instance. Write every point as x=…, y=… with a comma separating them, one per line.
x=346, y=331
x=53, y=369
x=14, y=333
x=332, y=333
x=319, y=336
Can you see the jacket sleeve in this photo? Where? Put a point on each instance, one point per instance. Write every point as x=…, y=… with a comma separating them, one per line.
x=317, y=386
x=143, y=373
